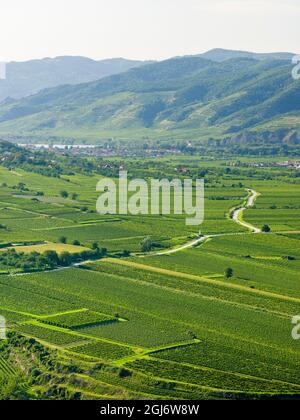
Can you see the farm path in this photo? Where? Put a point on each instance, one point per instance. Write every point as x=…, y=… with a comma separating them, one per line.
x=237, y=216
x=204, y=279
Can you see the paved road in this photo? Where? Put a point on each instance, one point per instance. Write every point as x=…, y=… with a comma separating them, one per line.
x=237, y=217
x=238, y=213
x=174, y=250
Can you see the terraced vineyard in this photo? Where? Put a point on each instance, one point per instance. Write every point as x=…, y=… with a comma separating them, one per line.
x=5, y=369
x=148, y=326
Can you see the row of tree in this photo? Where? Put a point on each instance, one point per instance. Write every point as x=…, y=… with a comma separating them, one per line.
x=48, y=260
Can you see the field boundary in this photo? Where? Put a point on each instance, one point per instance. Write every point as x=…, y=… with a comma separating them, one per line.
x=202, y=279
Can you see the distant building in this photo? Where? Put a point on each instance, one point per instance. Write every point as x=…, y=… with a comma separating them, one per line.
x=182, y=170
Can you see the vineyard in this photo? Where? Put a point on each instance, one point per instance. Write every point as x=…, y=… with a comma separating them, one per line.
x=5, y=369
x=154, y=327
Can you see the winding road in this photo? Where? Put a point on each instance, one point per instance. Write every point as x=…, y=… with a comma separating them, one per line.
x=236, y=216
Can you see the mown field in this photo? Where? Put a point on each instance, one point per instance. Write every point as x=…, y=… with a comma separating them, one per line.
x=169, y=326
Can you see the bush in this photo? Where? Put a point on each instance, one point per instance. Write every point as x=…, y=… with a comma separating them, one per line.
x=229, y=273
x=147, y=245
x=266, y=229
x=64, y=194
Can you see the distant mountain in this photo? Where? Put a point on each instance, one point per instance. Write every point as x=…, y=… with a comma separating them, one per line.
x=219, y=55
x=185, y=97
x=27, y=78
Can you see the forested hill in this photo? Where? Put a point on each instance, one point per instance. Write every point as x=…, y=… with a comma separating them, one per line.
x=173, y=96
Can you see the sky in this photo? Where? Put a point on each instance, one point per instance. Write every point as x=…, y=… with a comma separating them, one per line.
x=145, y=29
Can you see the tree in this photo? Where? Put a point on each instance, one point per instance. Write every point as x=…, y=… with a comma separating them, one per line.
x=289, y=258
x=62, y=240
x=21, y=186
x=66, y=259
x=229, y=273
x=74, y=196
x=64, y=194
x=51, y=257
x=146, y=244
x=76, y=243
x=266, y=229
x=11, y=389
x=103, y=251
x=126, y=253
x=95, y=246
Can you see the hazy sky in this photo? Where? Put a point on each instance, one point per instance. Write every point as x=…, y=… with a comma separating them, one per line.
x=145, y=29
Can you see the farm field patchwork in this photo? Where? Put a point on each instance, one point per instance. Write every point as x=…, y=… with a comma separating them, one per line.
x=278, y=207
x=169, y=326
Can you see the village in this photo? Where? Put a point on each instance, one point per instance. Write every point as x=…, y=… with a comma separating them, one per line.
x=290, y=164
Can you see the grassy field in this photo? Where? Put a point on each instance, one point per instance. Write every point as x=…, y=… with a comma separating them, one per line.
x=160, y=327
x=41, y=248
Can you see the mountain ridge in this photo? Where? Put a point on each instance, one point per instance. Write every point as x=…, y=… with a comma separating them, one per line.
x=183, y=93
x=29, y=77
x=221, y=54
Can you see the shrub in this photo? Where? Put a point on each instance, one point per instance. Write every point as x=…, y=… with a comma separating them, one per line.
x=266, y=229
x=229, y=273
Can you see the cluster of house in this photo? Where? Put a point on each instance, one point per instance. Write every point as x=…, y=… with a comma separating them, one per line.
x=5, y=155
x=294, y=164
x=290, y=164
x=71, y=149
x=99, y=151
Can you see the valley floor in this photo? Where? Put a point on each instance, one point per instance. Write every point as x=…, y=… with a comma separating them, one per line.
x=168, y=325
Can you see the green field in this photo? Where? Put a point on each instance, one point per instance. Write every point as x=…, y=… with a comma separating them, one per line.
x=59, y=248
x=168, y=326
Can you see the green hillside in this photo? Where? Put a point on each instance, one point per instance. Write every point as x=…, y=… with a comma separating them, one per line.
x=184, y=97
